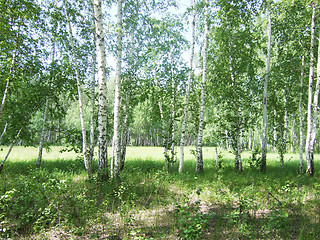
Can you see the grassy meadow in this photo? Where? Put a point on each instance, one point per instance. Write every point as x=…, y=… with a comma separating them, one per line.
x=147, y=202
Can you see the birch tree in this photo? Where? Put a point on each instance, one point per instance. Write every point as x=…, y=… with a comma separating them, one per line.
x=199, y=165
x=309, y=144
x=87, y=162
x=301, y=117
x=102, y=93
x=190, y=75
x=265, y=95
x=45, y=115
x=116, y=128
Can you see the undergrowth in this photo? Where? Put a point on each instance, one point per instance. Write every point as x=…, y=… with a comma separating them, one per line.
x=147, y=202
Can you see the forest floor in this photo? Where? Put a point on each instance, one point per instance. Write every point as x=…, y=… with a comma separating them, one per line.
x=57, y=201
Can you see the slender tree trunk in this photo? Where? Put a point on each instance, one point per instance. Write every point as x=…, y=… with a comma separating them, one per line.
x=253, y=140
x=250, y=140
x=285, y=131
x=13, y=62
x=125, y=135
x=238, y=150
x=190, y=74
x=260, y=139
x=173, y=114
x=265, y=98
x=9, y=151
x=237, y=144
x=92, y=97
x=227, y=140
x=4, y=131
x=301, y=116
x=164, y=141
x=163, y=130
x=116, y=127
x=43, y=132
x=292, y=134
x=102, y=94
x=309, y=151
x=45, y=112
x=199, y=165
x=315, y=115
x=87, y=163
x=275, y=138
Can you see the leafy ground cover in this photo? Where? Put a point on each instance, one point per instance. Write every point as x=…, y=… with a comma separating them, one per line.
x=58, y=202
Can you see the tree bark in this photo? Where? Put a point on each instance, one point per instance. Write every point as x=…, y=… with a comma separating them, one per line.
x=190, y=74
x=125, y=134
x=265, y=99
x=292, y=134
x=92, y=93
x=285, y=131
x=310, y=167
x=42, y=133
x=13, y=62
x=87, y=163
x=9, y=151
x=309, y=150
x=38, y=164
x=173, y=114
x=275, y=134
x=102, y=94
x=116, y=127
x=236, y=138
x=199, y=165
x=301, y=116
x=92, y=98
x=3, y=131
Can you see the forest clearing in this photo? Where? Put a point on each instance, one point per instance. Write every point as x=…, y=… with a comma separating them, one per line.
x=57, y=201
x=127, y=87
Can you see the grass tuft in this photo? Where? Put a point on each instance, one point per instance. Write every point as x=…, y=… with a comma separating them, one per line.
x=147, y=202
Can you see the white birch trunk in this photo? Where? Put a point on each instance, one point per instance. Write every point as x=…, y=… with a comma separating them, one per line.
x=42, y=133
x=87, y=163
x=102, y=94
x=199, y=164
x=9, y=151
x=238, y=161
x=163, y=131
x=315, y=116
x=173, y=114
x=285, y=133
x=253, y=140
x=309, y=153
x=292, y=134
x=4, y=131
x=265, y=98
x=250, y=140
x=190, y=74
x=92, y=97
x=301, y=116
x=237, y=145
x=13, y=61
x=275, y=138
x=116, y=127
x=45, y=113
x=124, y=135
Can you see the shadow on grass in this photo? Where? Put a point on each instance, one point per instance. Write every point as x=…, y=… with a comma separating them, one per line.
x=277, y=204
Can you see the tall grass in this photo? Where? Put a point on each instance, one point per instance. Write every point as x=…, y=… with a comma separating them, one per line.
x=147, y=202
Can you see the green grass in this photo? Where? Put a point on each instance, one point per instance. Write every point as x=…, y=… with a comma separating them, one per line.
x=57, y=200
